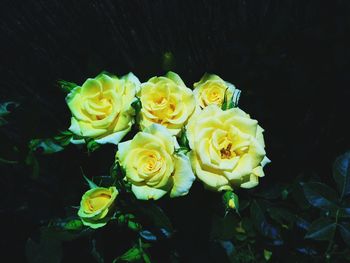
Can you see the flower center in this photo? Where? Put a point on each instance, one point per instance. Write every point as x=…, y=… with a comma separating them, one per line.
x=98, y=202
x=150, y=164
x=226, y=152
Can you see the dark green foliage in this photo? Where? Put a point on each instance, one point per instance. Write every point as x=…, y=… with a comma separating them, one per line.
x=291, y=61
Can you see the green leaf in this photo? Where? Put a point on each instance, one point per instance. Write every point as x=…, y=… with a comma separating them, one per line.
x=137, y=105
x=224, y=228
x=321, y=229
x=44, y=146
x=344, y=212
x=66, y=86
x=247, y=225
x=321, y=196
x=344, y=228
x=229, y=249
x=146, y=258
x=64, y=138
x=181, y=150
x=341, y=174
x=270, y=192
x=148, y=235
x=90, y=182
x=224, y=105
x=267, y=254
x=133, y=254
x=299, y=196
x=183, y=140
x=156, y=215
x=307, y=251
x=282, y=216
x=260, y=222
x=134, y=225
x=49, y=247
x=302, y=223
x=74, y=224
x=7, y=107
x=92, y=145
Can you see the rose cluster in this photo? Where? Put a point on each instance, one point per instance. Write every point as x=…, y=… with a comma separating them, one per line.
x=181, y=134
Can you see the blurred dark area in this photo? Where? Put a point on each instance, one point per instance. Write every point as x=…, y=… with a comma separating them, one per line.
x=291, y=59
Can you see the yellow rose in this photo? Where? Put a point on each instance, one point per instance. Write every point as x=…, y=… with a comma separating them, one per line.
x=95, y=205
x=101, y=108
x=152, y=166
x=227, y=148
x=166, y=101
x=211, y=89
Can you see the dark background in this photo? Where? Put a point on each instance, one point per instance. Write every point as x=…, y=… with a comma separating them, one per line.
x=291, y=60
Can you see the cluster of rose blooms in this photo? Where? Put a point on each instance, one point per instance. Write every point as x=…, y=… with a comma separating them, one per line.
x=225, y=148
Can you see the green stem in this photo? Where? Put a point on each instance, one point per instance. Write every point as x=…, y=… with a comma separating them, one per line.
x=331, y=241
x=2, y=160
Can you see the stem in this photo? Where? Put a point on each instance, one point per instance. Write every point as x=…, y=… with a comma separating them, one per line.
x=331, y=241
x=2, y=160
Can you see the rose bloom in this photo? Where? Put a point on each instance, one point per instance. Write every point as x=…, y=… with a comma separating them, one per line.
x=211, y=89
x=166, y=101
x=95, y=205
x=101, y=108
x=152, y=166
x=227, y=148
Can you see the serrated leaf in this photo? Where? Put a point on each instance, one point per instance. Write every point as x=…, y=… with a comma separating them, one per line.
x=261, y=224
x=321, y=229
x=307, y=251
x=133, y=254
x=270, y=192
x=229, y=249
x=148, y=235
x=44, y=146
x=341, y=174
x=321, y=196
x=344, y=228
x=282, y=216
x=344, y=212
x=223, y=228
x=74, y=224
x=299, y=196
x=156, y=215
x=7, y=107
x=302, y=223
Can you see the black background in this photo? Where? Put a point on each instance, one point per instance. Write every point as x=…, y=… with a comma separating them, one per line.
x=289, y=58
